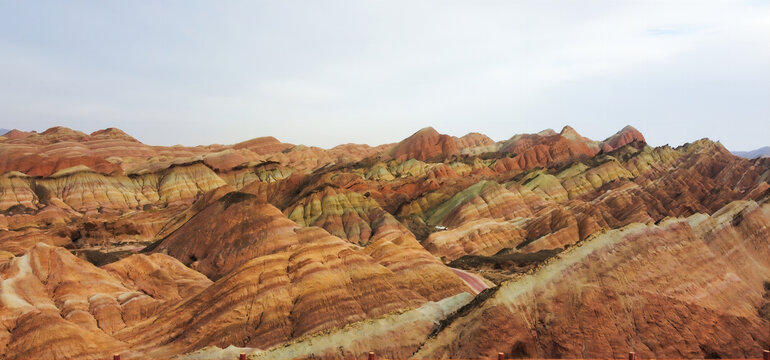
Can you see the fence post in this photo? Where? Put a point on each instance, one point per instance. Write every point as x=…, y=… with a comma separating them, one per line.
x=116, y=357
x=766, y=354
x=371, y=355
x=242, y=356
x=500, y=356
x=631, y=356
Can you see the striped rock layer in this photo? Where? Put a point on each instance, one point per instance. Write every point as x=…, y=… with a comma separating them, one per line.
x=685, y=288
x=592, y=247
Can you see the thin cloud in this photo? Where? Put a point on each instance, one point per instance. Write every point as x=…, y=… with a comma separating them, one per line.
x=325, y=73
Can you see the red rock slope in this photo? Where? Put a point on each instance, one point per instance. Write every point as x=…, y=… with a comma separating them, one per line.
x=685, y=288
x=265, y=244
x=56, y=306
x=424, y=145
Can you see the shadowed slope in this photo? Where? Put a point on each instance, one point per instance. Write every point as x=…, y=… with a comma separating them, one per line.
x=229, y=232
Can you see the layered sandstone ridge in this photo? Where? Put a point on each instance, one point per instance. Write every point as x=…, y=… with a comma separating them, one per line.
x=110, y=245
x=182, y=176
x=321, y=283
x=425, y=144
x=84, y=191
x=343, y=213
x=393, y=336
x=696, y=282
x=541, y=211
x=318, y=283
x=111, y=151
x=49, y=296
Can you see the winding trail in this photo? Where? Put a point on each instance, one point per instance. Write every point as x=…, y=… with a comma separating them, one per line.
x=472, y=280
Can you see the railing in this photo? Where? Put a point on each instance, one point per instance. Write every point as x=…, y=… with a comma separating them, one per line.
x=500, y=356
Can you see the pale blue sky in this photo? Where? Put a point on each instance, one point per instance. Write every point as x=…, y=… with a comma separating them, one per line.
x=329, y=72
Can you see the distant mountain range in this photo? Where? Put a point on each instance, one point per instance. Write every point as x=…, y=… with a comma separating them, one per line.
x=3, y=131
x=761, y=152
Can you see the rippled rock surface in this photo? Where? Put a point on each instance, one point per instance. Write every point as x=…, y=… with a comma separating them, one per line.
x=542, y=245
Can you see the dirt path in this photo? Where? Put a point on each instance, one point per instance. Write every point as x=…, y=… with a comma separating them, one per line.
x=472, y=280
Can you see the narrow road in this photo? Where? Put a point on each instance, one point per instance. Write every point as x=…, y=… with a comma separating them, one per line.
x=473, y=281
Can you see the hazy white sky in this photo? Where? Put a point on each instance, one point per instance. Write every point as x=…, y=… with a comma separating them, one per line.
x=329, y=72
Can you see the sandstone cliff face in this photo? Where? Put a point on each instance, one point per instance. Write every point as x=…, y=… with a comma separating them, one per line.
x=16, y=191
x=85, y=191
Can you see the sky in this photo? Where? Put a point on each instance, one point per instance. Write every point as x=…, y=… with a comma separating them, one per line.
x=324, y=73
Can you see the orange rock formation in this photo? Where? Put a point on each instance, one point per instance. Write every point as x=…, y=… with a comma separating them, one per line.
x=592, y=248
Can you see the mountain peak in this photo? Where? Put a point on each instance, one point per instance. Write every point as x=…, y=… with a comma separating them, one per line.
x=473, y=139
x=547, y=132
x=628, y=128
x=113, y=133
x=17, y=134
x=570, y=133
x=425, y=131
x=263, y=145
x=427, y=143
x=62, y=131
x=621, y=138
